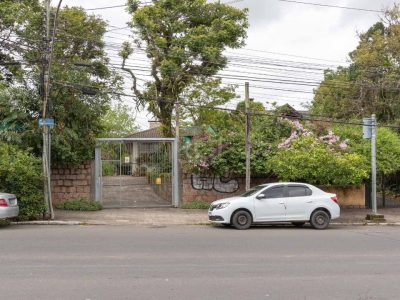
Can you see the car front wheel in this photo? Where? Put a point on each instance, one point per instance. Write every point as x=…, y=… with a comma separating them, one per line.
x=320, y=219
x=242, y=220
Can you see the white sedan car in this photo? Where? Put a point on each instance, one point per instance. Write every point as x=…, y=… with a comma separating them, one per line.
x=296, y=203
x=8, y=206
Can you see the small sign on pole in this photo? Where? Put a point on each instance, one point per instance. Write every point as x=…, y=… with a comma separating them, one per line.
x=367, y=128
x=46, y=122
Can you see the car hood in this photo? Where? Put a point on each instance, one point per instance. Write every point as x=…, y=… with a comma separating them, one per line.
x=231, y=199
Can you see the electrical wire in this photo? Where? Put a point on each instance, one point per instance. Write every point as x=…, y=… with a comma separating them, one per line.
x=305, y=118
x=333, y=6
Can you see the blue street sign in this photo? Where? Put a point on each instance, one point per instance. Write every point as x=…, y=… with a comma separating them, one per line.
x=48, y=122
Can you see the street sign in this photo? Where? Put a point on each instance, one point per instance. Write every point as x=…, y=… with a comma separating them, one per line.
x=367, y=128
x=46, y=122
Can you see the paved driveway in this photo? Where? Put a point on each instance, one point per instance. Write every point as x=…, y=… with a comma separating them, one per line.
x=198, y=262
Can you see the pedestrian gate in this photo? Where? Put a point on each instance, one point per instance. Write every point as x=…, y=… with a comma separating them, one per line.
x=136, y=172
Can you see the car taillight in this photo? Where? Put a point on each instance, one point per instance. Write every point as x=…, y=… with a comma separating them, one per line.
x=334, y=199
x=3, y=202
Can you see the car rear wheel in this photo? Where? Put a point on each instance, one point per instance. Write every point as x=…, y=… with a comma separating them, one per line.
x=298, y=224
x=320, y=219
x=242, y=220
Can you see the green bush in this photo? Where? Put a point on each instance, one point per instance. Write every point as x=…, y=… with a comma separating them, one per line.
x=21, y=174
x=80, y=204
x=310, y=161
x=196, y=204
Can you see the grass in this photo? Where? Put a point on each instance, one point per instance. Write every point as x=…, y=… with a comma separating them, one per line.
x=196, y=204
x=80, y=204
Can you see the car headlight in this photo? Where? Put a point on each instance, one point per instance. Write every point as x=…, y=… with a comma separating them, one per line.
x=222, y=205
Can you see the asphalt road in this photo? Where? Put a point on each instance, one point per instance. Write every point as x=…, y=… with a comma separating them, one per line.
x=199, y=262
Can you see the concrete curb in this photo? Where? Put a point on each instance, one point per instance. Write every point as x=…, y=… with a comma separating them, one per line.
x=48, y=223
x=94, y=223
x=367, y=224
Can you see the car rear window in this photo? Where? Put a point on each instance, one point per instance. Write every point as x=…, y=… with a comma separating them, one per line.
x=298, y=191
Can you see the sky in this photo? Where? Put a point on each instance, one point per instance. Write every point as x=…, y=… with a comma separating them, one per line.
x=281, y=35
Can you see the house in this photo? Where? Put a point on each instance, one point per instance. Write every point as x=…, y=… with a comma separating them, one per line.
x=141, y=157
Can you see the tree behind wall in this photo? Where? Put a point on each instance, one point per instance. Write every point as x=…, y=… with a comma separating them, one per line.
x=79, y=75
x=184, y=40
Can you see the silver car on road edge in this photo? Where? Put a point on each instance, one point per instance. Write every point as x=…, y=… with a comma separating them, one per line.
x=8, y=206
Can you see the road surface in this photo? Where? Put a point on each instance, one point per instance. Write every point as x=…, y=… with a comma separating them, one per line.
x=199, y=262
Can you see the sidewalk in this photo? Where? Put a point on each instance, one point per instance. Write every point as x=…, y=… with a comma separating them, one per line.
x=175, y=216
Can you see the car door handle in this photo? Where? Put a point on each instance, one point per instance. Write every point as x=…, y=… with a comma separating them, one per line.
x=281, y=202
x=309, y=201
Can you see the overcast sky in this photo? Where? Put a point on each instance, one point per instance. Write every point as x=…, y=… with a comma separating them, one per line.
x=296, y=31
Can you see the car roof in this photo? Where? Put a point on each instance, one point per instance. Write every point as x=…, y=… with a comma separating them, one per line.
x=286, y=183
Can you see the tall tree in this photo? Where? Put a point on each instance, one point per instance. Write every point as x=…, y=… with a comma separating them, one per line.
x=184, y=41
x=79, y=75
x=371, y=83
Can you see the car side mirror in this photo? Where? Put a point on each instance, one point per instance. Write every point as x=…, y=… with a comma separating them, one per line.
x=260, y=196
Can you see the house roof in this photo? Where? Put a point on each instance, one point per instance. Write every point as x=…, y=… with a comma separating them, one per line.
x=155, y=132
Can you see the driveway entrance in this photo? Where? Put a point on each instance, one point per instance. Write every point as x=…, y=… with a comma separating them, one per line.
x=136, y=172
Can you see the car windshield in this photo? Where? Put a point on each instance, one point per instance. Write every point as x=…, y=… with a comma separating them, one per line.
x=253, y=190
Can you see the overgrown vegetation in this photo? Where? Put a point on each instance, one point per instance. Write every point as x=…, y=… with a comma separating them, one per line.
x=21, y=174
x=294, y=151
x=80, y=204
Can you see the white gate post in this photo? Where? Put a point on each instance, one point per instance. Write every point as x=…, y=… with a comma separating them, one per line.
x=98, y=173
x=175, y=174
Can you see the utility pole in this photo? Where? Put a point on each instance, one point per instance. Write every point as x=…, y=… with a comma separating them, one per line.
x=373, y=164
x=248, y=145
x=46, y=129
x=178, y=174
x=371, y=133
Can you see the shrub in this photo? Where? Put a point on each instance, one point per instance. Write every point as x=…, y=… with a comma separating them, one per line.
x=317, y=163
x=80, y=204
x=196, y=204
x=21, y=174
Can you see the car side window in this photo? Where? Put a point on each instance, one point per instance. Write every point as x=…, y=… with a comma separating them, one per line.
x=274, y=192
x=298, y=191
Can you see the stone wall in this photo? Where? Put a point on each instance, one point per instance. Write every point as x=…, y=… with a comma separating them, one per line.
x=72, y=182
x=348, y=196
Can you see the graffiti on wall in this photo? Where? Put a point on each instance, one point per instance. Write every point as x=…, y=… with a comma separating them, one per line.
x=219, y=184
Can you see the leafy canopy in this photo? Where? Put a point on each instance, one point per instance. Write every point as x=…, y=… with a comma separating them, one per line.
x=370, y=84
x=79, y=73
x=184, y=41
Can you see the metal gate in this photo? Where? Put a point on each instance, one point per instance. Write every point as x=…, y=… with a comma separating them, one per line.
x=136, y=172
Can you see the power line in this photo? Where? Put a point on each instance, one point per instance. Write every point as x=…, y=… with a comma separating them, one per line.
x=307, y=118
x=114, y=6
x=333, y=6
